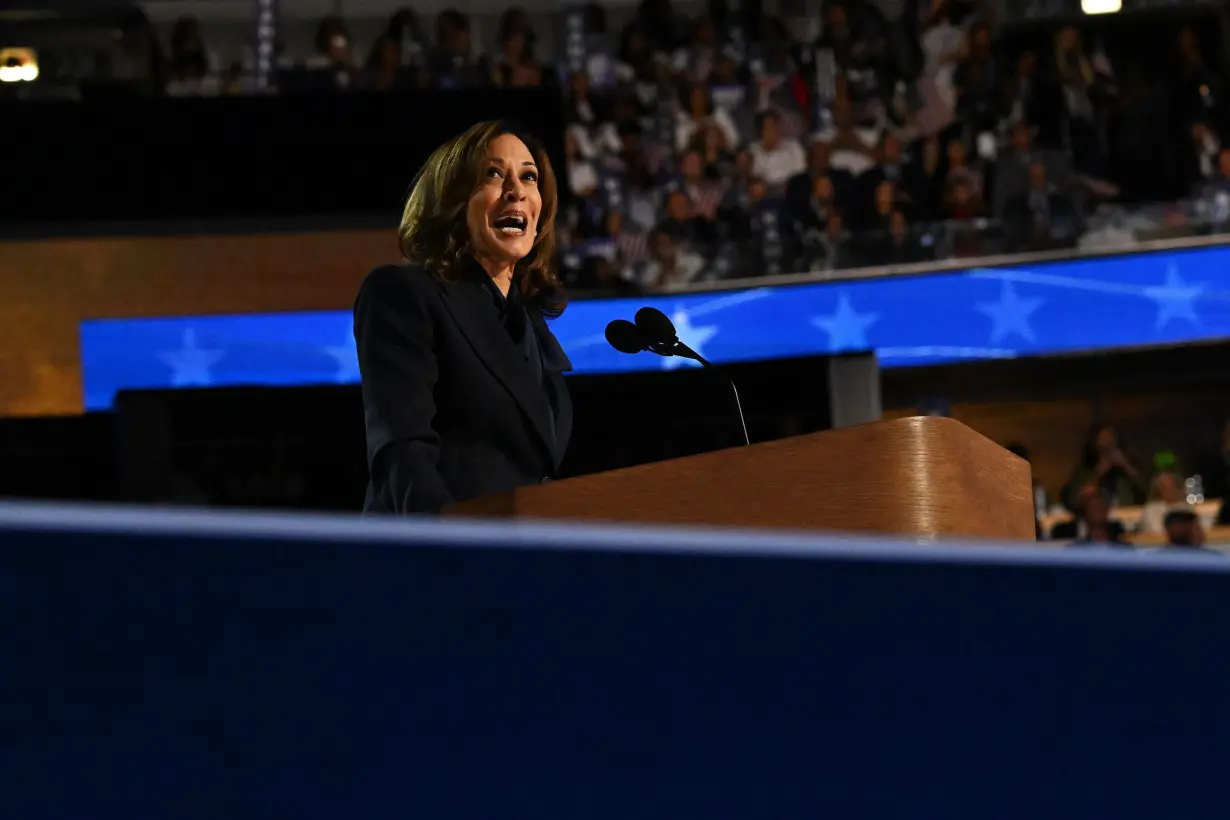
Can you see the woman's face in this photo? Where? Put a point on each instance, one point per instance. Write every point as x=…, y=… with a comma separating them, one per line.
x=956, y=152
x=502, y=215
x=1106, y=440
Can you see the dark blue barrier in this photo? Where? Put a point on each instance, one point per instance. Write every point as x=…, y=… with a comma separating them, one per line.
x=166, y=666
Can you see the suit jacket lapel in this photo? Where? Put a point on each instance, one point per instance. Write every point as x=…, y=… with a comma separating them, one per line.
x=555, y=363
x=470, y=304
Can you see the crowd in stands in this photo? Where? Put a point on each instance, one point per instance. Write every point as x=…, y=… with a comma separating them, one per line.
x=730, y=145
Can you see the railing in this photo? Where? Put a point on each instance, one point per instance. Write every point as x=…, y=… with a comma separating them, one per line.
x=598, y=267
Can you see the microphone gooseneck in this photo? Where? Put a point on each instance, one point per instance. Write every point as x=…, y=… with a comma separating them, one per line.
x=655, y=332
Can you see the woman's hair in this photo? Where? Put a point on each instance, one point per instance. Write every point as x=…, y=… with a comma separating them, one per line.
x=433, y=231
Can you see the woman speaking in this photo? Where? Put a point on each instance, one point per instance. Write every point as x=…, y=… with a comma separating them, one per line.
x=463, y=391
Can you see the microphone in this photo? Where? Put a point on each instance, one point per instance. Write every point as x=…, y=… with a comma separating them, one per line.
x=624, y=337
x=655, y=332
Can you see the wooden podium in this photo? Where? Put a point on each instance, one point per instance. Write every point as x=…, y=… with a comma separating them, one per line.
x=926, y=476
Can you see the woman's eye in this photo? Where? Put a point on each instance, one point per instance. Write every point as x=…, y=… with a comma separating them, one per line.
x=530, y=177
x=493, y=172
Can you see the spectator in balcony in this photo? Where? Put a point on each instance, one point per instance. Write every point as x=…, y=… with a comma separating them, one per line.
x=924, y=182
x=975, y=82
x=801, y=187
x=853, y=146
x=883, y=206
x=1010, y=174
x=890, y=163
x=960, y=169
x=192, y=67
x=581, y=173
x=1041, y=217
x=1202, y=155
x=1023, y=94
x=1104, y=466
x=699, y=115
x=705, y=191
x=660, y=24
x=331, y=65
x=820, y=206
x=895, y=246
x=637, y=62
x=407, y=33
x=631, y=243
x=514, y=64
x=1084, y=84
x=671, y=265
x=962, y=207
x=693, y=62
x=581, y=106
x=384, y=69
x=830, y=249
x=775, y=159
x=451, y=63
x=689, y=229
x=1196, y=90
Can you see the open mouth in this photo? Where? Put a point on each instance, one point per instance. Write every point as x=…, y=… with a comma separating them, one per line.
x=512, y=224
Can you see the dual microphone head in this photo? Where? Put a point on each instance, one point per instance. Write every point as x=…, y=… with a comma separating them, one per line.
x=653, y=331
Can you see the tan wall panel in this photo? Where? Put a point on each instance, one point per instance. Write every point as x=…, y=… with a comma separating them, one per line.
x=49, y=286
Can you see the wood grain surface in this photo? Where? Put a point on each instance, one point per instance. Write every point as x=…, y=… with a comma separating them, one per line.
x=914, y=476
x=51, y=285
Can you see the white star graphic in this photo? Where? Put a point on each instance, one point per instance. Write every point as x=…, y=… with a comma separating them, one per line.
x=847, y=328
x=190, y=364
x=1010, y=314
x=693, y=337
x=1174, y=299
x=346, y=355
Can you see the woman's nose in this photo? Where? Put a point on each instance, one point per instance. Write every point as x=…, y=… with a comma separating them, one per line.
x=514, y=193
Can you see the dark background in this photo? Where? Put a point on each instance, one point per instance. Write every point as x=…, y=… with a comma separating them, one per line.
x=146, y=158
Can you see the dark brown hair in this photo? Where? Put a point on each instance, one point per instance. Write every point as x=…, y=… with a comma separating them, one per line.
x=433, y=231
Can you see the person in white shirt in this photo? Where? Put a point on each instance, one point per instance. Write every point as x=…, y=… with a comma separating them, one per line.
x=775, y=159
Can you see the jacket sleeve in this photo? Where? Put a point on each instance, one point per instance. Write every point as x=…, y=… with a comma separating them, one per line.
x=397, y=360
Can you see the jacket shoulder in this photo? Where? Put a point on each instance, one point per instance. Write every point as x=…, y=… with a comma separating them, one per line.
x=398, y=280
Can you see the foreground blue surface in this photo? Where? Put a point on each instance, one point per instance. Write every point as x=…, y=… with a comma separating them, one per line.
x=192, y=666
x=1089, y=304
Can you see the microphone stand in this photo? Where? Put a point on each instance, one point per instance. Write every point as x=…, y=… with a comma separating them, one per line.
x=677, y=348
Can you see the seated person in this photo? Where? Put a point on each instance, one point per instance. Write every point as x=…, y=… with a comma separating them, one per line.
x=1185, y=532
x=1165, y=493
x=1093, y=526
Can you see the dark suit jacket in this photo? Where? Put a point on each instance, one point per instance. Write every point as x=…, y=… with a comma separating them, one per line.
x=454, y=406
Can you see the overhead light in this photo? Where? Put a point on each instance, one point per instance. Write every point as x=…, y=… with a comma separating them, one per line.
x=18, y=65
x=1101, y=6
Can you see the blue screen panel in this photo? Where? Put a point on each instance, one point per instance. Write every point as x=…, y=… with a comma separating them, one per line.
x=1156, y=298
